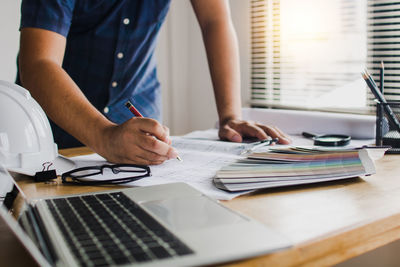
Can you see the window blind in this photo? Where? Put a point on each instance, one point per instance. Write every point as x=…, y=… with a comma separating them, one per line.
x=309, y=54
x=384, y=44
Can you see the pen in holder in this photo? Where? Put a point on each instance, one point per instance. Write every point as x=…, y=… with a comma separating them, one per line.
x=387, y=133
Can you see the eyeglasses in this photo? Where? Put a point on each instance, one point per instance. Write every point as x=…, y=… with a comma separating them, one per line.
x=99, y=175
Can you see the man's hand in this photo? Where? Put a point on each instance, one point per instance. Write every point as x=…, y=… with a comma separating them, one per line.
x=139, y=141
x=235, y=130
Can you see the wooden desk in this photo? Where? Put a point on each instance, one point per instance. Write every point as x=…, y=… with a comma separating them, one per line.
x=328, y=223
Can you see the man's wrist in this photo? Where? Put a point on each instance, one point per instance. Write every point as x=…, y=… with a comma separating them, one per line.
x=227, y=119
x=101, y=134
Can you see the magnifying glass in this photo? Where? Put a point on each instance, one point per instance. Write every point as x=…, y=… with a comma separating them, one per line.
x=328, y=139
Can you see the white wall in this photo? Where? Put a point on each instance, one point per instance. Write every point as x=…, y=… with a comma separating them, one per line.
x=9, y=36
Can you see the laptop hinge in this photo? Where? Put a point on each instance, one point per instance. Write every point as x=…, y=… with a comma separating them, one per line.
x=41, y=235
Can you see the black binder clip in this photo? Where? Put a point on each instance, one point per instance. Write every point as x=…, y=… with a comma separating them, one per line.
x=46, y=174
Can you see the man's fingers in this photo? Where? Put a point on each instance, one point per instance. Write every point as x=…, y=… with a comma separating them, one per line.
x=152, y=144
x=151, y=157
x=168, y=141
x=285, y=138
x=246, y=128
x=154, y=128
x=227, y=133
x=274, y=132
x=251, y=129
x=235, y=130
x=142, y=141
x=138, y=159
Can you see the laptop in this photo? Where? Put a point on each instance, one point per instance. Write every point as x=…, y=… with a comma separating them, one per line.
x=163, y=225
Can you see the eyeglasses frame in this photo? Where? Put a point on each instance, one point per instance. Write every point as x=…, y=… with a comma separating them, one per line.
x=76, y=179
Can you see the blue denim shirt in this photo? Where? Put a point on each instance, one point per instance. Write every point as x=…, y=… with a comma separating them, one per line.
x=109, y=52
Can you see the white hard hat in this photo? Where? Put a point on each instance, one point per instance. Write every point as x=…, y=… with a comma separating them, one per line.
x=26, y=139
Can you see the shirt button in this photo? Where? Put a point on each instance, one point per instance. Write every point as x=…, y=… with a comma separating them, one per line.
x=106, y=110
x=114, y=84
x=120, y=55
x=126, y=21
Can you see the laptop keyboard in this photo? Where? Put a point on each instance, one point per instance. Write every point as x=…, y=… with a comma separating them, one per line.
x=111, y=229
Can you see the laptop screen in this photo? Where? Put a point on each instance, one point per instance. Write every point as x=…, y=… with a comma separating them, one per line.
x=12, y=200
x=10, y=192
x=6, y=188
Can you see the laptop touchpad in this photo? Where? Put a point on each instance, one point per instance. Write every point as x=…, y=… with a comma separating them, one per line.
x=191, y=213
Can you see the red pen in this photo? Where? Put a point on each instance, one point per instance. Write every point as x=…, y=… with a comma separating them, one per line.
x=135, y=112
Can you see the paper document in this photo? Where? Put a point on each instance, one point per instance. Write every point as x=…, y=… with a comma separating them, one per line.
x=201, y=160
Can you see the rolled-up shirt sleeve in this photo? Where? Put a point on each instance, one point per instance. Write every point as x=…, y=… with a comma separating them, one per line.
x=54, y=15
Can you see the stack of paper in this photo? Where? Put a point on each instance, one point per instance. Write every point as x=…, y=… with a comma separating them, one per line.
x=293, y=166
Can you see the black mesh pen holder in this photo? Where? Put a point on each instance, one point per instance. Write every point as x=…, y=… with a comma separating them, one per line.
x=386, y=132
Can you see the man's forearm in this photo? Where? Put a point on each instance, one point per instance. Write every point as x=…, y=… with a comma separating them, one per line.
x=223, y=58
x=63, y=101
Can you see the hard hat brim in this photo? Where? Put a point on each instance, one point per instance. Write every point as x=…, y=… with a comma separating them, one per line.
x=60, y=163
